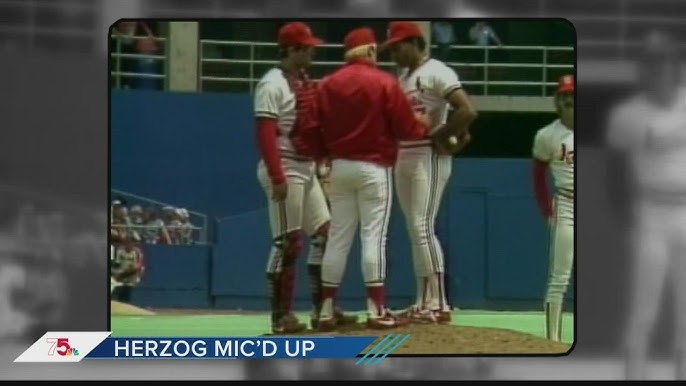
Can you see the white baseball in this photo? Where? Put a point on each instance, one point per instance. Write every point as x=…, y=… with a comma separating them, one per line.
x=452, y=140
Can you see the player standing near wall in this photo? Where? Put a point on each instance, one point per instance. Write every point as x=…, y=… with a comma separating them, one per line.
x=361, y=114
x=128, y=268
x=296, y=200
x=424, y=166
x=553, y=148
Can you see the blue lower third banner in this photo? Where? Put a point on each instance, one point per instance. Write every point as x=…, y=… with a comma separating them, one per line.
x=77, y=346
x=237, y=348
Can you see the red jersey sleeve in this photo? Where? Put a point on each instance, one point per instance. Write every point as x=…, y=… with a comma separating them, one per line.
x=540, y=187
x=404, y=125
x=267, y=130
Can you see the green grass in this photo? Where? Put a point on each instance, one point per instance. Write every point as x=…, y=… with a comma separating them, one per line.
x=254, y=325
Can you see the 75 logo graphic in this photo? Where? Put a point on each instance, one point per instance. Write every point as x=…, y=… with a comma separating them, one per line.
x=61, y=347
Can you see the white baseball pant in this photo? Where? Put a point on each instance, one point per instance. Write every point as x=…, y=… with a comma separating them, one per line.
x=305, y=207
x=560, y=263
x=421, y=176
x=361, y=193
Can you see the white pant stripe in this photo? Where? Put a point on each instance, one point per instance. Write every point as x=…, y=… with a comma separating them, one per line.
x=429, y=214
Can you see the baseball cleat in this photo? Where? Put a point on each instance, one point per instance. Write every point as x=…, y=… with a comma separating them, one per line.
x=416, y=315
x=288, y=324
x=423, y=317
x=387, y=321
x=341, y=318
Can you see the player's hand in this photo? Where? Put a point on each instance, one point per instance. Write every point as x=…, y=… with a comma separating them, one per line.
x=279, y=192
x=443, y=145
x=462, y=141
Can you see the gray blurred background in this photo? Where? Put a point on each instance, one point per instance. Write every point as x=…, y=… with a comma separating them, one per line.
x=53, y=170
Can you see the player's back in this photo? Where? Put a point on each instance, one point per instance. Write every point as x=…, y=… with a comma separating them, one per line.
x=354, y=102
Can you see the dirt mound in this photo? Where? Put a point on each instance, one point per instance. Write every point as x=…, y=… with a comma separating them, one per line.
x=118, y=308
x=451, y=340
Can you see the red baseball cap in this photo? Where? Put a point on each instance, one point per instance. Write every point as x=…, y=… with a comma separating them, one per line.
x=359, y=37
x=401, y=30
x=565, y=84
x=297, y=34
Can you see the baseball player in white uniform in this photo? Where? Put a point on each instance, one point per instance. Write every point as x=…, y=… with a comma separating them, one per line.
x=296, y=200
x=424, y=167
x=553, y=148
x=647, y=136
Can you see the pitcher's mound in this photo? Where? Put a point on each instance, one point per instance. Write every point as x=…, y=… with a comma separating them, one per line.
x=118, y=308
x=451, y=340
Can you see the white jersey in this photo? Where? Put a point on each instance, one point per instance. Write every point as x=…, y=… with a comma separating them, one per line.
x=274, y=98
x=655, y=139
x=427, y=89
x=554, y=144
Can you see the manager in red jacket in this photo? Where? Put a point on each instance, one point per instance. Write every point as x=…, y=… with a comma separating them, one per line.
x=361, y=113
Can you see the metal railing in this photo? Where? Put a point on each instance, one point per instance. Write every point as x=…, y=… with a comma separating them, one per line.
x=542, y=82
x=118, y=56
x=196, y=217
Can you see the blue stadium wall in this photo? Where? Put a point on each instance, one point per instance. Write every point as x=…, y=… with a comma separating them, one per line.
x=197, y=151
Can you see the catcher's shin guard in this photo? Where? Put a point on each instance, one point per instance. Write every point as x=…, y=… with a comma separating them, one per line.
x=553, y=321
x=315, y=273
x=274, y=293
x=281, y=283
x=314, y=268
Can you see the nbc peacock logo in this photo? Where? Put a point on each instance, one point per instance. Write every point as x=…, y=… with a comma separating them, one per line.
x=61, y=347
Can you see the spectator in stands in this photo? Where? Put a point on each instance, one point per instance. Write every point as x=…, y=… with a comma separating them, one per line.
x=155, y=232
x=123, y=226
x=172, y=223
x=115, y=203
x=186, y=231
x=137, y=37
x=444, y=36
x=482, y=34
x=137, y=219
x=119, y=226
